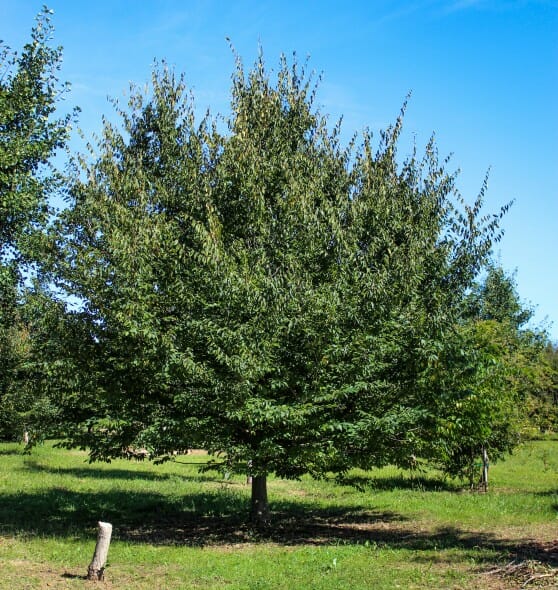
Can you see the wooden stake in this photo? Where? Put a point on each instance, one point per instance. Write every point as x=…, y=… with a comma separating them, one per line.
x=96, y=570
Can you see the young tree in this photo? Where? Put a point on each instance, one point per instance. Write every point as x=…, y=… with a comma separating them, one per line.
x=500, y=374
x=544, y=413
x=496, y=298
x=30, y=134
x=262, y=293
x=483, y=416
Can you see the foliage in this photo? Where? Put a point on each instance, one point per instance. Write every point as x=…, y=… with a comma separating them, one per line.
x=484, y=409
x=543, y=402
x=30, y=134
x=499, y=380
x=496, y=298
x=262, y=293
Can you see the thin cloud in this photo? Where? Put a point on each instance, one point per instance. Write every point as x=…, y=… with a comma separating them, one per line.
x=465, y=5
x=498, y=5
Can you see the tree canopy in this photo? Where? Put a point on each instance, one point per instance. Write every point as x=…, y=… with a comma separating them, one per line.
x=250, y=286
x=30, y=134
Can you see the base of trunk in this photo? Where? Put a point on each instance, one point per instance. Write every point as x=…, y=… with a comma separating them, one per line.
x=259, y=506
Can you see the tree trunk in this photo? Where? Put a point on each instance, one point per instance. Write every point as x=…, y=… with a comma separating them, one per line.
x=259, y=512
x=472, y=472
x=96, y=571
x=484, y=479
x=249, y=473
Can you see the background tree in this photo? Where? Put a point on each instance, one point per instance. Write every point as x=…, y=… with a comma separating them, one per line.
x=262, y=293
x=531, y=369
x=496, y=298
x=544, y=414
x=500, y=377
x=30, y=134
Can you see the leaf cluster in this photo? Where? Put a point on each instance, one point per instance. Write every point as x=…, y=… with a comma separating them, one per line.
x=30, y=134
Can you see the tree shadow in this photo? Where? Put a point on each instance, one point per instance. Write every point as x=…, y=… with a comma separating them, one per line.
x=139, y=515
x=551, y=492
x=195, y=518
x=359, y=482
x=69, y=576
x=112, y=473
x=6, y=452
x=401, y=482
x=220, y=518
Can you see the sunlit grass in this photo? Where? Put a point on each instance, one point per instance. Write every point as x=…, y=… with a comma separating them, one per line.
x=177, y=528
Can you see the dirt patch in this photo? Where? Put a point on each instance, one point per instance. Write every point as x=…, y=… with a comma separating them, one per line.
x=28, y=575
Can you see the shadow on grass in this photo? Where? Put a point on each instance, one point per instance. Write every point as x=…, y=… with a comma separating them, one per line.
x=359, y=482
x=68, y=576
x=219, y=518
x=112, y=473
x=371, y=482
x=6, y=452
x=551, y=492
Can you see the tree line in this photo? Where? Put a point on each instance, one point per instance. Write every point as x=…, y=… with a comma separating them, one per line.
x=251, y=285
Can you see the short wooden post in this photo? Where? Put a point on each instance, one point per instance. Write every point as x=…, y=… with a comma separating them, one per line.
x=96, y=570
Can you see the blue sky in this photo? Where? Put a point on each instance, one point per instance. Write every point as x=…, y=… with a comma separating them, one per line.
x=483, y=76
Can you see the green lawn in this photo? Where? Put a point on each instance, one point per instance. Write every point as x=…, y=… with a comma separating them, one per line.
x=176, y=528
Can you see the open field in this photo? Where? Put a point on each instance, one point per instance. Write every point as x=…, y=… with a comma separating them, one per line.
x=175, y=528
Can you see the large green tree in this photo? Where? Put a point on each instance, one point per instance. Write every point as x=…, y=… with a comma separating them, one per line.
x=257, y=290
x=30, y=134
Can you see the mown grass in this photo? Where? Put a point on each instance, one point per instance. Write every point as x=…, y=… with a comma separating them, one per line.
x=176, y=528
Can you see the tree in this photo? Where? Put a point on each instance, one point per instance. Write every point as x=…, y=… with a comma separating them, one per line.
x=500, y=374
x=527, y=351
x=263, y=292
x=544, y=413
x=496, y=298
x=484, y=414
x=30, y=134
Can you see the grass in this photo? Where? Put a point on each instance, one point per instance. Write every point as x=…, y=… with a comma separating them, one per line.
x=175, y=528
